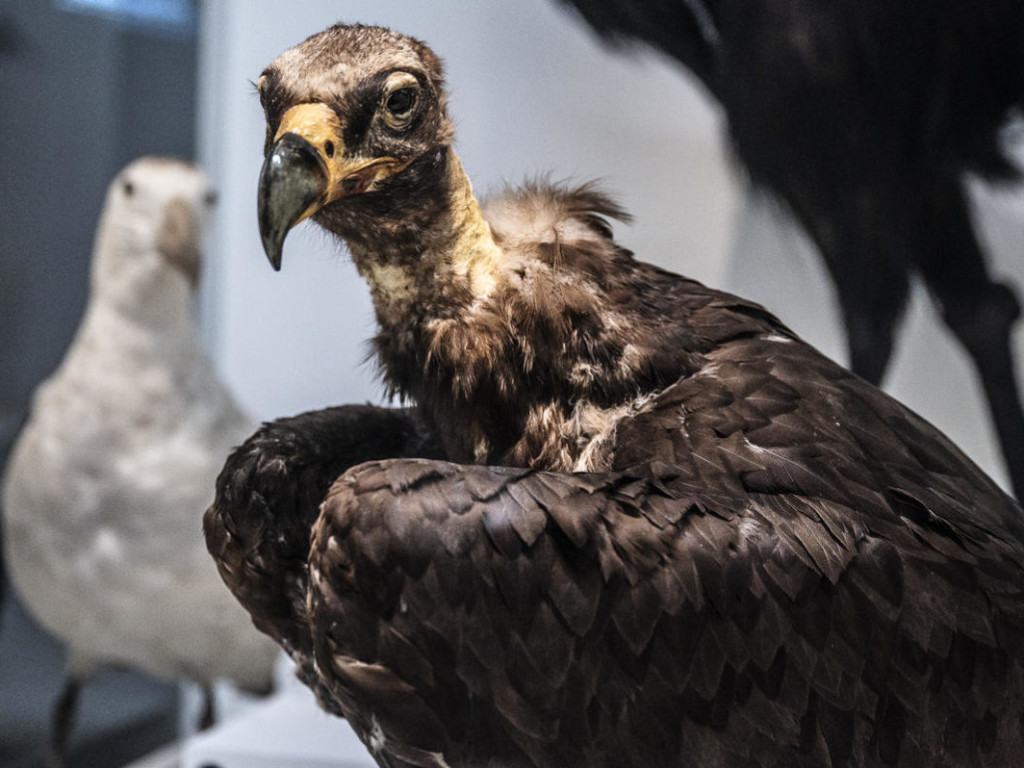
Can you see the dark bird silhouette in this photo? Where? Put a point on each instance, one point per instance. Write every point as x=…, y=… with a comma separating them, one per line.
x=864, y=117
x=629, y=520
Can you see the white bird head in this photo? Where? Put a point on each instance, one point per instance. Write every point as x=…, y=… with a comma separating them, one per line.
x=150, y=233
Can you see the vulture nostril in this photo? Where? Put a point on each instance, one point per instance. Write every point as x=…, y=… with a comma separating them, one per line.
x=329, y=148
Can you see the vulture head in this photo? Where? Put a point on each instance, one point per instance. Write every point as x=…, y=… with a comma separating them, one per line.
x=350, y=111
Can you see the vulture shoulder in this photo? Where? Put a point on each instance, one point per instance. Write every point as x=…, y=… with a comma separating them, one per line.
x=573, y=333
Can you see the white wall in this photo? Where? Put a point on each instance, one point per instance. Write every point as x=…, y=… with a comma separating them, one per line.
x=531, y=91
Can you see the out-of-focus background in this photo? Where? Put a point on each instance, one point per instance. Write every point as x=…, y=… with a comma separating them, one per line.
x=87, y=85
x=84, y=90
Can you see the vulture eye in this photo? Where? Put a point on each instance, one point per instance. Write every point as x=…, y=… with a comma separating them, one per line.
x=399, y=99
x=400, y=102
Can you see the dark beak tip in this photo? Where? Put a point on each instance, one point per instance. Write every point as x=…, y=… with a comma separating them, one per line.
x=273, y=246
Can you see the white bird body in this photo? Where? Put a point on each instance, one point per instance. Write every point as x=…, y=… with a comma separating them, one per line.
x=106, y=485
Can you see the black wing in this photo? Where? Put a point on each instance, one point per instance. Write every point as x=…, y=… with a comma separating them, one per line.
x=268, y=495
x=489, y=616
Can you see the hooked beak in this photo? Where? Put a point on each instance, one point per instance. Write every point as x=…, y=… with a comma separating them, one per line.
x=306, y=169
x=292, y=182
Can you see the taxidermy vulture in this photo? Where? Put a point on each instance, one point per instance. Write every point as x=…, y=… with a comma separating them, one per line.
x=629, y=520
x=864, y=118
x=105, y=486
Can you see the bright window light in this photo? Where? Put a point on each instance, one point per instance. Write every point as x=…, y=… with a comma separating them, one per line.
x=163, y=13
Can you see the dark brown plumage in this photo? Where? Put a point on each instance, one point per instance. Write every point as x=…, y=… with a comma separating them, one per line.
x=709, y=545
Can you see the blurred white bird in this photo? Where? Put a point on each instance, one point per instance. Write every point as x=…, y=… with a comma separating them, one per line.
x=106, y=485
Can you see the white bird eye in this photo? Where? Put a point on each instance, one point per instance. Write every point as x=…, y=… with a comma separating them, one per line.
x=128, y=187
